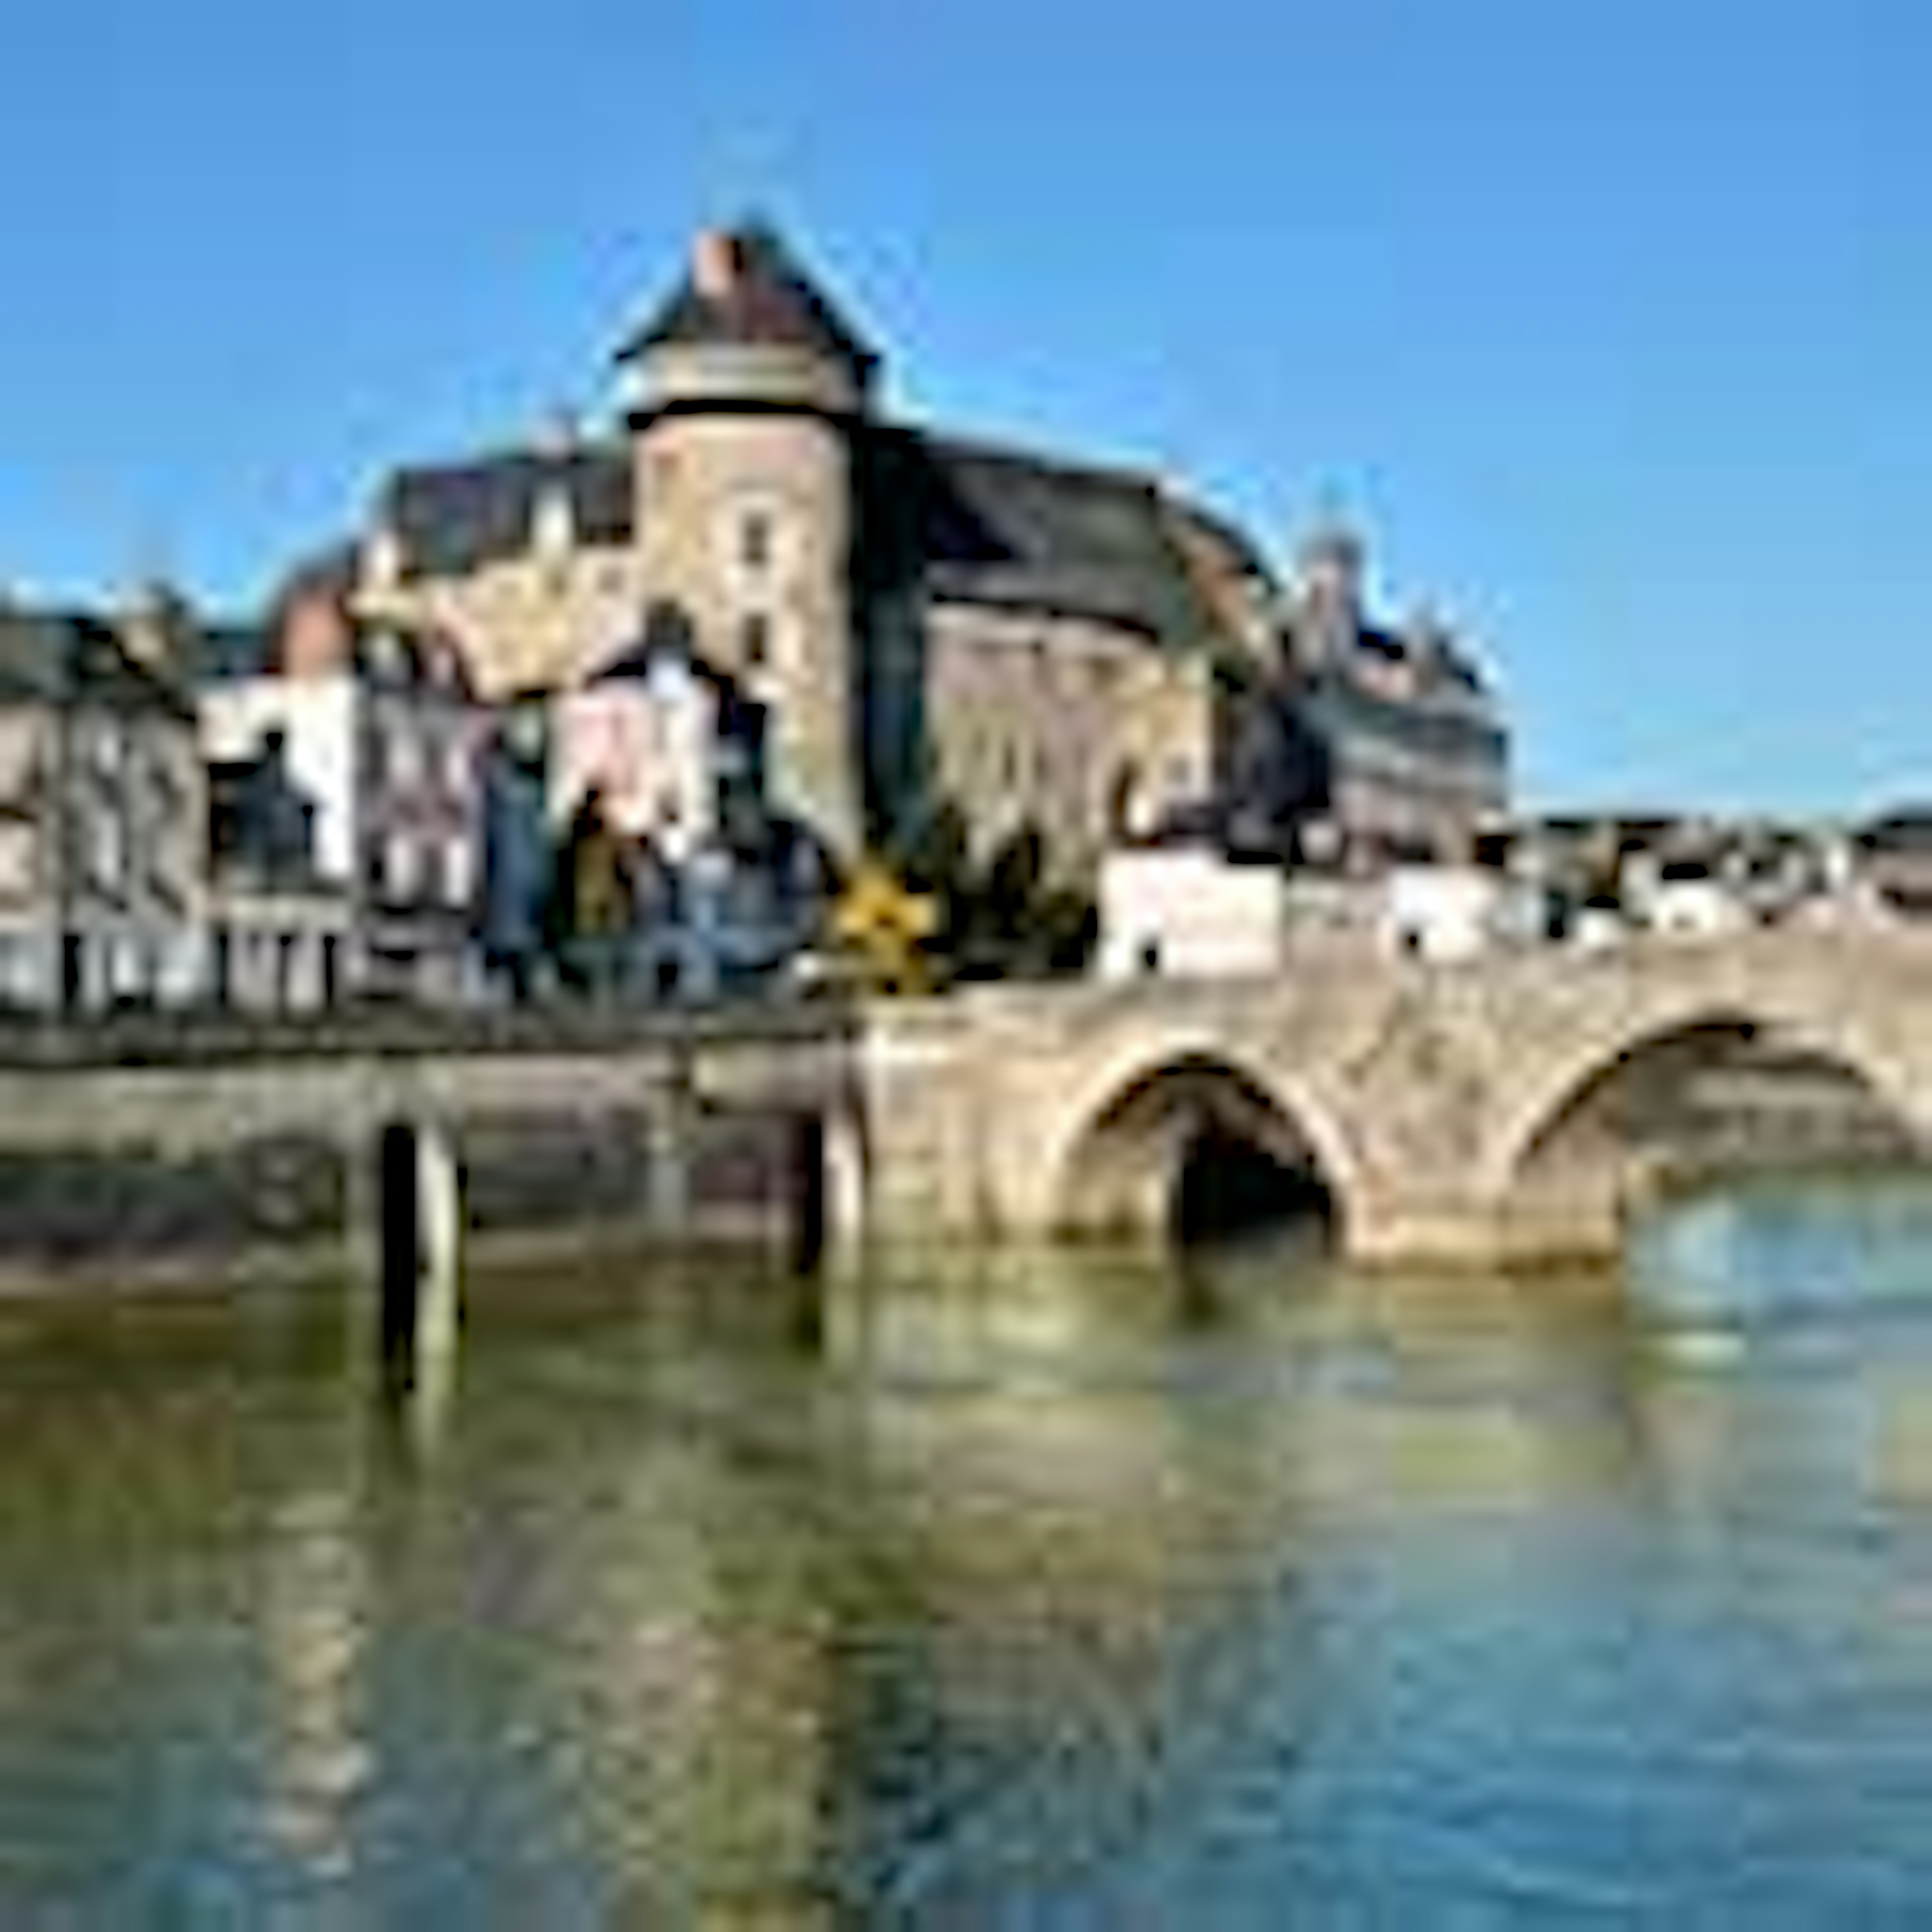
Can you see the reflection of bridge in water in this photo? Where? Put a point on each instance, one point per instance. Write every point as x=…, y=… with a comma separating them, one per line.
x=1515, y=1106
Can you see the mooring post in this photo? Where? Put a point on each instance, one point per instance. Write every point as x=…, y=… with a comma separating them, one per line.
x=439, y=1240
x=808, y=1216
x=398, y=1282
x=668, y=1146
x=420, y=1204
x=843, y=1154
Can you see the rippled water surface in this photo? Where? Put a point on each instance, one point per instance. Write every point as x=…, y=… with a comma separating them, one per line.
x=1000, y=1594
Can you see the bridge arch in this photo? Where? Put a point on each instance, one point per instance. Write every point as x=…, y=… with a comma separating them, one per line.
x=1667, y=1095
x=1192, y=1144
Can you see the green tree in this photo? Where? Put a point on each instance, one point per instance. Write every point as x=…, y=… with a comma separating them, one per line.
x=994, y=919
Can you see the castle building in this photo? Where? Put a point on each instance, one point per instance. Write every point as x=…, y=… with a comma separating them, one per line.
x=921, y=616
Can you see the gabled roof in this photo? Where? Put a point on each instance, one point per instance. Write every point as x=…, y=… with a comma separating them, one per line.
x=765, y=298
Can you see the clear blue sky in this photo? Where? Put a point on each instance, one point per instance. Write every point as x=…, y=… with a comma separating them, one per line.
x=1612, y=318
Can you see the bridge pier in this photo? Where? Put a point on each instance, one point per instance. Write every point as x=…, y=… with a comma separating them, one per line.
x=842, y=1152
x=670, y=1134
x=1395, y=1233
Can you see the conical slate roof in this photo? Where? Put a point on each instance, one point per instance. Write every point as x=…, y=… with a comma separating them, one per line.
x=754, y=293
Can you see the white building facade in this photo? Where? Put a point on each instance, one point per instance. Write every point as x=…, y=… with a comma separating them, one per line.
x=346, y=764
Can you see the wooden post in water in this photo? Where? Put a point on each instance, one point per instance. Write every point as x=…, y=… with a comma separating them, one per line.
x=399, y=1278
x=842, y=1162
x=419, y=1195
x=808, y=1230
x=671, y=1131
x=439, y=1245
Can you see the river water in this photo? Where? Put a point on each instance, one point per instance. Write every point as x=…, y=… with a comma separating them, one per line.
x=999, y=1593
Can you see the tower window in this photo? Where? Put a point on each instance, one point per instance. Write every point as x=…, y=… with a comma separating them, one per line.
x=755, y=639
x=754, y=541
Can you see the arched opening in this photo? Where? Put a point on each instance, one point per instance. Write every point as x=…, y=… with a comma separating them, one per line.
x=1195, y=1154
x=1694, y=1107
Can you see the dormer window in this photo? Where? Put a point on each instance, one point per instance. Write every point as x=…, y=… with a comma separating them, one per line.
x=553, y=524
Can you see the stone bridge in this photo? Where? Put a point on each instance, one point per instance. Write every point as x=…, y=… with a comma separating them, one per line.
x=1512, y=1107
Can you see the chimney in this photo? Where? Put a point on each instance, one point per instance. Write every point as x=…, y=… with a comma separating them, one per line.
x=714, y=264
x=314, y=636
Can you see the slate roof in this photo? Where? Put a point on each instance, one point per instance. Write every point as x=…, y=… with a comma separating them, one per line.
x=964, y=521
x=1051, y=537
x=328, y=573
x=976, y=524
x=770, y=300
x=1908, y=829
x=216, y=653
x=1348, y=714
x=67, y=657
x=451, y=519
x=219, y=653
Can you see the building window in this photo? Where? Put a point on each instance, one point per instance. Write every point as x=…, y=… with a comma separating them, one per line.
x=755, y=639
x=109, y=854
x=457, y=881
x=755, y=540
x=400, y=867
x=399, y=766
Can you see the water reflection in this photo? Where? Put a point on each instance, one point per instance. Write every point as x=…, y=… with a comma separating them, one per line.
x=313, y=1617
x=1045, y=1590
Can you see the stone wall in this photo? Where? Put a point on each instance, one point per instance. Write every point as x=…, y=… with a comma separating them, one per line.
x=537, y=621
x=1059, y=721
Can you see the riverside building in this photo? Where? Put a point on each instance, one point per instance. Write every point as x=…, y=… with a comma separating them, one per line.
x=102, y=821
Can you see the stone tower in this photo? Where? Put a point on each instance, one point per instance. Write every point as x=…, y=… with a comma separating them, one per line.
x=743, y=394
